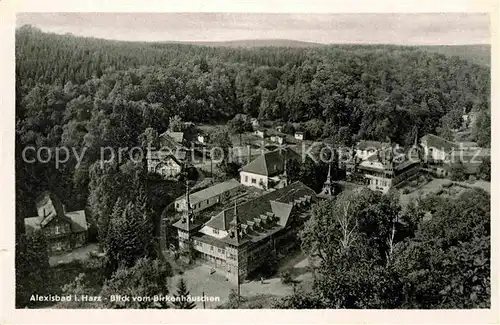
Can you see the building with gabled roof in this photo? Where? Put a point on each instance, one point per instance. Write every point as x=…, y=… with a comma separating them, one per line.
x=437, y=149
x=366, y=148
x=239, y=239
x=63, y=230
x=207, y=197
x=266, y=168
x=165, y=163
x=385, y=167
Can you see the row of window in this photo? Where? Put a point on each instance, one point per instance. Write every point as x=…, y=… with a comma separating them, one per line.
x=219, y=250
x=58, y=229
x=194, y=206
x=254, y=181
x=381, y=182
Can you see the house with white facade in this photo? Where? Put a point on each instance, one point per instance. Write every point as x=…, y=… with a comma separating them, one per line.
x=261, y=133
x=300, y=136
x=265, y=170
x=385, y=168
x=278, y=138
x=436, y=149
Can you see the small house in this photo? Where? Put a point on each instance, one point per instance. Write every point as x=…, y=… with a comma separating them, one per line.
x=254, y=122
x=278, y=138
x=300, y=136
x=261, y=133
x=164, y=163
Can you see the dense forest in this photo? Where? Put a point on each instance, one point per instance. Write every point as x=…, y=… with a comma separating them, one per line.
x=85, y=94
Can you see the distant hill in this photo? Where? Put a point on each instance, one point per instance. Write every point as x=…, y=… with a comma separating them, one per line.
x=256, y=43
x=477, y=53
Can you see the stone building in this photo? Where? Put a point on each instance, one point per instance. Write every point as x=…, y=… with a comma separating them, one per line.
x=239, y=239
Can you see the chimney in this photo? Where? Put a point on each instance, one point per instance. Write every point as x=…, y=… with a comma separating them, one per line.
x=249, y=155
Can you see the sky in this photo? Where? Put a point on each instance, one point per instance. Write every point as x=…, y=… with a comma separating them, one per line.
x=388, y=28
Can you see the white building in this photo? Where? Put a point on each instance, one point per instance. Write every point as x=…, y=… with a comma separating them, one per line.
x=437, y=149
x=299, y=135
x=261, y=133
x=208, y=197
x=264, y=171
x=278, y=138
x=255, y=122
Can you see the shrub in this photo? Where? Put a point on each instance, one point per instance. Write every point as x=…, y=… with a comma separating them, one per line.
x=406, y=190
x=414, y=183
x=286, y=277
x=472, y=179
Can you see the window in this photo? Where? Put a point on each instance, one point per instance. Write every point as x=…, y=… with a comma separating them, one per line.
x=254, y=181
x=177, y=205
x=246, y=179
x=218, y=250
x=211, y=248
x=208, y=201
x=57, y=246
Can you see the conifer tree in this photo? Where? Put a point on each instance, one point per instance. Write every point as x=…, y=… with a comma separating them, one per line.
x=182, y=295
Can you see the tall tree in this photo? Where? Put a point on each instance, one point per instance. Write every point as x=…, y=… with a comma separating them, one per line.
x=182, y=296
x=140, y=283
x=130, y=235
x=32, y=267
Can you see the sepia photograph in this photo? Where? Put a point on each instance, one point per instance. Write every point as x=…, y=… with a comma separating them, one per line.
x=224, y=160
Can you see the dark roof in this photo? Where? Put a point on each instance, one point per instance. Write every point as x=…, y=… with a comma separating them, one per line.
x=433, y=141
x=279, y=202
x=368, y=144
x=270, y=163
x=209, y=240
x=162, y=155
x=183, y=225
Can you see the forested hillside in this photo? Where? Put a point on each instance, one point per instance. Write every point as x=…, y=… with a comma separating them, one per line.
x=89, y=93
x=477, y=53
